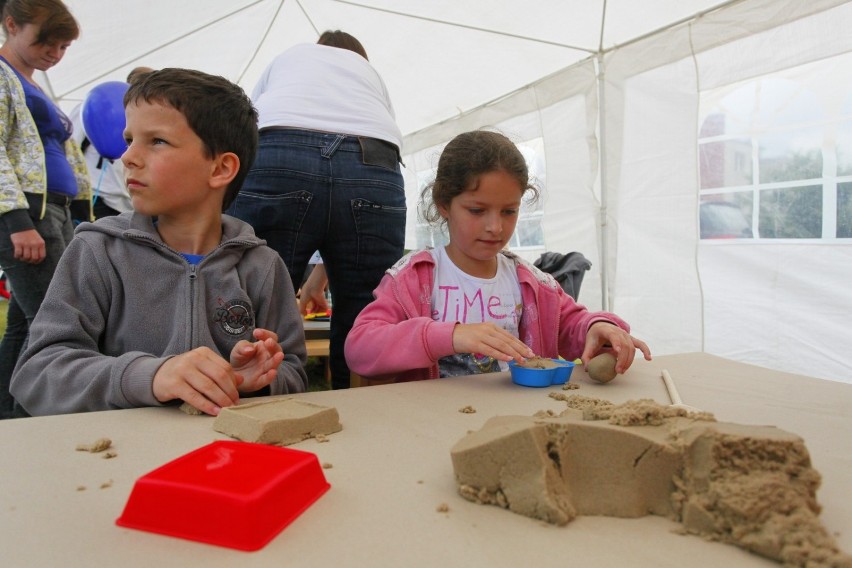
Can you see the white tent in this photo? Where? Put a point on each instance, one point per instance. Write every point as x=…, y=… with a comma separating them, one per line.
x=635, y=116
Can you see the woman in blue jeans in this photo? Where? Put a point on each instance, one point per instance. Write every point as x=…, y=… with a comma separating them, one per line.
x=327, y=175
x=42, y=171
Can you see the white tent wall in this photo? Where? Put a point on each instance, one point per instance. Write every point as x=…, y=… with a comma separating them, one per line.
x=777, y=303
x=780, y=304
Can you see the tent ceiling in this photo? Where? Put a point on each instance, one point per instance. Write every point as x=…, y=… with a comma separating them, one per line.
x=438, y=58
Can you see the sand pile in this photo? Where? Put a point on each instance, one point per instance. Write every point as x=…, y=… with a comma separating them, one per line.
x=752, y=486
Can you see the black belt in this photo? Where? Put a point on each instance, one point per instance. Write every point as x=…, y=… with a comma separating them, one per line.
x=376, y=152
x=271, y=128
x=59, y=199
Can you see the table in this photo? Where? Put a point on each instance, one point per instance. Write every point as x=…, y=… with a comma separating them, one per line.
x=317, y=335
x=317, y=329
x=391, y=472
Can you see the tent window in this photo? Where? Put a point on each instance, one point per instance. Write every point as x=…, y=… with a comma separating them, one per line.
x=792, y=213
x=844, y=210
x=775, y=155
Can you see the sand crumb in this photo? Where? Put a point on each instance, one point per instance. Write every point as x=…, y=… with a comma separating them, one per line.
x=81, y=488
x=106, y=484
x=642, y=412
x=443, y=508
x=187, y=408
x=108, y=455
x=321, y=438
x=97, y=446
x=327, y=465
x=467, y=409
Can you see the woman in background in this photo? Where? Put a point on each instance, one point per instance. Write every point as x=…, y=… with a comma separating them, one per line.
x=327, y=176
x=41, y=169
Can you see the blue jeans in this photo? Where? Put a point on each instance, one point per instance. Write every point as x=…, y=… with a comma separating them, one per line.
x=28, y=284
x=309, y=191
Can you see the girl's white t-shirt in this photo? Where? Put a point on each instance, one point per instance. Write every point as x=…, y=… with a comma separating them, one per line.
x=460, y=297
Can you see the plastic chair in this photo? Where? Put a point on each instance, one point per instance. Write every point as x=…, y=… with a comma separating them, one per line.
x=568, y=269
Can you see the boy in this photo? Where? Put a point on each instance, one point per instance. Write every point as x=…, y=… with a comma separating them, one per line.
x=162, y=304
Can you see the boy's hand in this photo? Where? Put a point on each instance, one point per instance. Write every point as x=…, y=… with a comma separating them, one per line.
x=604, y=336
x=200, y=377
x=257, y=362
x=489, y=339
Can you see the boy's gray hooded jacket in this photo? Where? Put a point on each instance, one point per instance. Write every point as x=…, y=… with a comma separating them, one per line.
x=122, y=302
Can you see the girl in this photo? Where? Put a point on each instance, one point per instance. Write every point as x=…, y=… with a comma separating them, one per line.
x=41, y=168
x=471, y=307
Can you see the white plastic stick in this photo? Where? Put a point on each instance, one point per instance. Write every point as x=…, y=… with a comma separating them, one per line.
x=671, y=388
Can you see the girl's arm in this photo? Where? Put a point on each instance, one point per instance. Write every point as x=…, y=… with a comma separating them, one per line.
x=602, y=336
x=574, y=324
x=385, y=340
x=584, y=334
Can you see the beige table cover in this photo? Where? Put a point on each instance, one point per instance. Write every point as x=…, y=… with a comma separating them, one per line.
x=391, y=473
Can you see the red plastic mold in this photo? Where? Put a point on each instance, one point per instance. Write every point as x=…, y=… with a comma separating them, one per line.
x=234, y=494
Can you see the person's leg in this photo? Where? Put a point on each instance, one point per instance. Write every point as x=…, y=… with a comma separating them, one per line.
x=366, y=236
x=29, y=284
x=10, y=348
x=285, y=196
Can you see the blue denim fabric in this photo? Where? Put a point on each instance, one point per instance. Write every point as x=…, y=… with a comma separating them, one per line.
x=28, y=284
x=309, y=191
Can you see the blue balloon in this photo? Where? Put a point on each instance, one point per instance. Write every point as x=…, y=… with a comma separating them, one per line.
x=103, y=118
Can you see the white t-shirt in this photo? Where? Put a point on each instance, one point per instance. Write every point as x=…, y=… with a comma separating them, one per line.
x=107, y=181
x=458, y=296
x=317, y=87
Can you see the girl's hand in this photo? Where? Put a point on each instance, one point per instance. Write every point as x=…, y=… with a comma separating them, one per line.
x=257, y=363
x=489, y=339
x=604, y=336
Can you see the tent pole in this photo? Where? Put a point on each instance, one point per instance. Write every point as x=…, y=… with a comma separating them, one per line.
x=604, y=240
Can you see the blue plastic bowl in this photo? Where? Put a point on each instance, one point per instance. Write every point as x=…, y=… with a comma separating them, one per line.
x=563, y=371
x=529, y=377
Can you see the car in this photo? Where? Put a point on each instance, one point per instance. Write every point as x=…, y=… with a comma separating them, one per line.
x=723, y=220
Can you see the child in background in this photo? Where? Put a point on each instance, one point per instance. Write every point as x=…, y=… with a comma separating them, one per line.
x=173, y=301
x=107, y=176
x=471, y=307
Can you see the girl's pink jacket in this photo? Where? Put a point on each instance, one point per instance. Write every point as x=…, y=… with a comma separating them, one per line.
x=396, y=337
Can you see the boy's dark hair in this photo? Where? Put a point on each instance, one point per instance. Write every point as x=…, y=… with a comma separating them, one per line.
x=464, y=159
x=217, y=110
x=57, y=23
x=342, y=40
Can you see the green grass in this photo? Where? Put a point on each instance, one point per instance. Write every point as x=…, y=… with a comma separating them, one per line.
x=316, y=381
x=4, y=305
